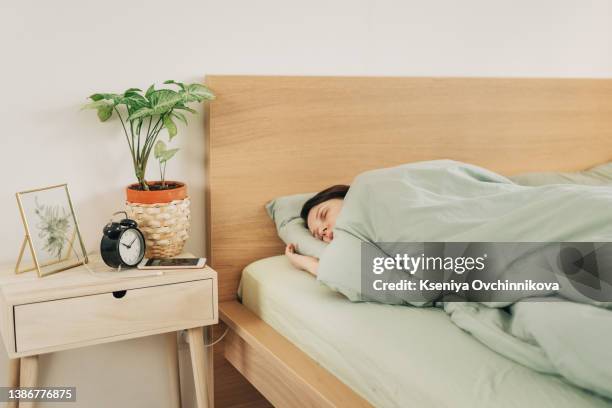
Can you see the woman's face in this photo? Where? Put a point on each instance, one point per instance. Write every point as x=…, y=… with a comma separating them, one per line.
x=322, y=219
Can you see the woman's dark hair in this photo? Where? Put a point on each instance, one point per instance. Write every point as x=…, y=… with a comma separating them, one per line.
x=337, y=191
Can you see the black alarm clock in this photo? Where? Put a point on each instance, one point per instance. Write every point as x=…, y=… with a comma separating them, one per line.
x=122, y=243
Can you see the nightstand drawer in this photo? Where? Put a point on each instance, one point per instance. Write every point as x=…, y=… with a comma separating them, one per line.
x=101, y=317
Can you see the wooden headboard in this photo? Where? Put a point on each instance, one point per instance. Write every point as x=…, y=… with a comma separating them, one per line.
x=272, y=136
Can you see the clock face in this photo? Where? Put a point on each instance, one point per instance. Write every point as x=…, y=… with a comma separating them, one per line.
x=131, y=247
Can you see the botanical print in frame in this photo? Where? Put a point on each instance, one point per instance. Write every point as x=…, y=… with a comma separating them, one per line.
x=52, y=231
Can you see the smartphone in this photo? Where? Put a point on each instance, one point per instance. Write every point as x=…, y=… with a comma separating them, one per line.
x=172, y=263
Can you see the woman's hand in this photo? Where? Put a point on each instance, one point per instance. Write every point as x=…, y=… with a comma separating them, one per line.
x=306, y=263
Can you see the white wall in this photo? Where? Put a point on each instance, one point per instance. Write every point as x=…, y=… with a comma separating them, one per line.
x=56, y=53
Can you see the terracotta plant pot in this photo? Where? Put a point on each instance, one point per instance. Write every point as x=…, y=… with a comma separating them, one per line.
x=156, y=196
x=163, y=216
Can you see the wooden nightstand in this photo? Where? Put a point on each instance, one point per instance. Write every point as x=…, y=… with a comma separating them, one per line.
x=77, y=308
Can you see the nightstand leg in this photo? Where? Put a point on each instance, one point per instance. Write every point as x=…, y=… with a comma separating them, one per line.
x=209, y=364
x=201, y=363
x=13, y=378
x=173, y=366
x=28, y=376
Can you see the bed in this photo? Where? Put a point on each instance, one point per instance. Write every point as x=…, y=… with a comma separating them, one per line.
x=273, y=136
x=396, y=356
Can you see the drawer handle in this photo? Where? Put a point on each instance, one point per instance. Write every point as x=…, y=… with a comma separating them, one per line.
x=119, y=294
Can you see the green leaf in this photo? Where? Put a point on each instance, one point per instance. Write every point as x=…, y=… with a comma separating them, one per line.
x=95, y=105
x=172, y=81
x=104, y=108
x=170, y=125
x=141, y=113
x=134, y=102
x=167, y=155
x=104, y=96
x=180, y=117
x=163, y=100
x=149, y=91
x=132, y=90
x=105, y=112
x=180, y=106
x=160, y=147
x=161, y=153
x=200, y=91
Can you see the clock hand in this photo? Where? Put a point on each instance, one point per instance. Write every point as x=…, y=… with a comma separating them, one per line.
x=134, y=240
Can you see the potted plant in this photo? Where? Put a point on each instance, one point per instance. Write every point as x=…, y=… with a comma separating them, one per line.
x=160, y=207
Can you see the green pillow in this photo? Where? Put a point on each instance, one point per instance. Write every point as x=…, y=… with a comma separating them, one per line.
x=596, y=176
x=285, y=212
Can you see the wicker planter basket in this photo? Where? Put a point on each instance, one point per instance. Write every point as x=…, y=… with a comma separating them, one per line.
x=165, y=226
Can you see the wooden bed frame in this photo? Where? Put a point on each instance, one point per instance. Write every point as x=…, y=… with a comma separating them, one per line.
x=272, y=136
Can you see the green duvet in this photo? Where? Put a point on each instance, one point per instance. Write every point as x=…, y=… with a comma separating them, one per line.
x=447, y=201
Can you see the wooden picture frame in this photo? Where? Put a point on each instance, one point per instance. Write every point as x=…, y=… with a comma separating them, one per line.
x=57, y=225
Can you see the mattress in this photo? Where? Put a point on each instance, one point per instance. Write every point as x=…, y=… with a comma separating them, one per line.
x=396, y=356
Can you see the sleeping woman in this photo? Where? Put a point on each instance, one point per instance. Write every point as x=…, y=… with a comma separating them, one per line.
x=319, y=214
x=444, y=201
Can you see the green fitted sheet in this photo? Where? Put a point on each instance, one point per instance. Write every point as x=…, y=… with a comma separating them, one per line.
x=396, y=356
